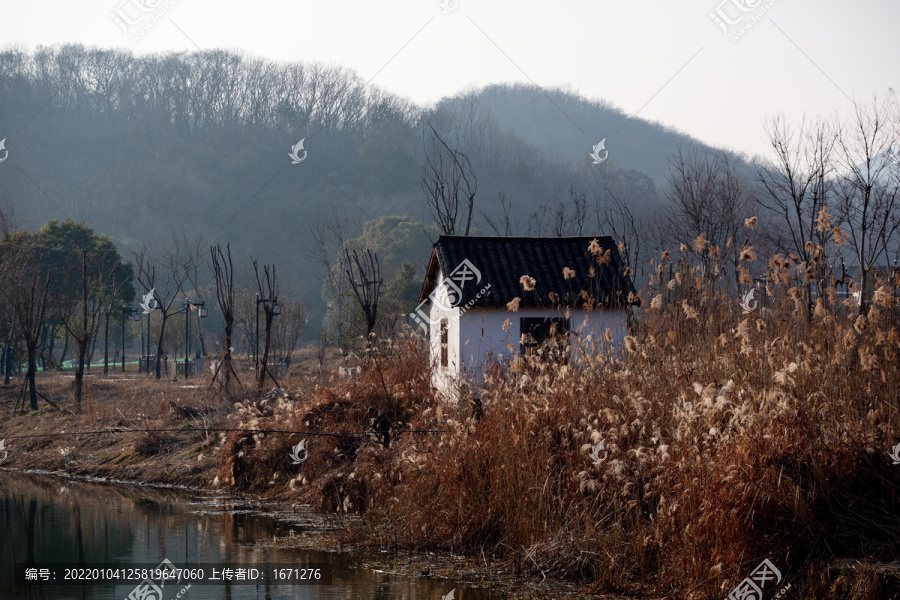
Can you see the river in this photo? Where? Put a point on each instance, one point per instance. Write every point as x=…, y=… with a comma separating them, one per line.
x=71, y=528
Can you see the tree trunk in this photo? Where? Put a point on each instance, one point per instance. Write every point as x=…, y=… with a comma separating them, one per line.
x=79, y=375
x=226, y=358
x=159, y=349
x=264, y=364
x=32, y=369
x=85, y=339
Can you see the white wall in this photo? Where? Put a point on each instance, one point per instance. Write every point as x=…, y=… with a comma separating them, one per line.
x=477, y=335
x=444, y=379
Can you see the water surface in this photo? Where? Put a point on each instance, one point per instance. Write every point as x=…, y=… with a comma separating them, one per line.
x=47, y=520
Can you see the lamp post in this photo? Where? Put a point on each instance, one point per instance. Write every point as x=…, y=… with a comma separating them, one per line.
x=147, y=352
x=201, y=313
x=137, y=317
x=140, y=320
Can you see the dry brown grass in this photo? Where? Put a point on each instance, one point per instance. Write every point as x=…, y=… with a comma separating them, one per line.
x=116, y=433
x=343, y=471
x=730, y=439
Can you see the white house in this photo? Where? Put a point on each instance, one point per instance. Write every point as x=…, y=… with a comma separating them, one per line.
x=580, y=291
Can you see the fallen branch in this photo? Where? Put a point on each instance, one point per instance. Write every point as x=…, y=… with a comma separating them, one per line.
x=55, y=405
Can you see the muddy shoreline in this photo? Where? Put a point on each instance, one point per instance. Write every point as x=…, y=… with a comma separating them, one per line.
x=329, y=534
x=112, y=442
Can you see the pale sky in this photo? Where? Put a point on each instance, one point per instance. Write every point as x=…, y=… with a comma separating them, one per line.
x=666, y=61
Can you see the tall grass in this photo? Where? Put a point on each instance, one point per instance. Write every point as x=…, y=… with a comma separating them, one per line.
x=729, y=438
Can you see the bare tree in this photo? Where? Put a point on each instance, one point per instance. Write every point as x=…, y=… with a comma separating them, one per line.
x=82, y=321
x=7, y=314
x=165, y=274
x=289, y=327
x=869, y=187
x=223, y=270
x=364, y=277
x=796, y=184
x=567, y=218
x=708, y=196
x=505, y=226
x=449, y=183
x=268, y=297
x=617, y=218
x=326, y=242
x=26, y=291
x=30, y=305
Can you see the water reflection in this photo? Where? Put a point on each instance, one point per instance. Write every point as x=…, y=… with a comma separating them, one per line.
x=48, y=520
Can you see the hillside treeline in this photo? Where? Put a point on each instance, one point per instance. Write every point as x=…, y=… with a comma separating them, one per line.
x=138, y=146
x=199, y=143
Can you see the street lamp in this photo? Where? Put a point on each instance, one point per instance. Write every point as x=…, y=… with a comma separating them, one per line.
x=201, y=314
x=137, y=317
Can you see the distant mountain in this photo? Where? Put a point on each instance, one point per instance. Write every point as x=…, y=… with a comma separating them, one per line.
x=138, y=147
x=565, y=126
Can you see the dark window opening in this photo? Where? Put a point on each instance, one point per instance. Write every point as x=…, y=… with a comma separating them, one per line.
x=551, y=334
x=445, y=343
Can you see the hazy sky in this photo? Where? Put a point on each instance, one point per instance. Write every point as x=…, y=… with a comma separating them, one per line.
x=667, y=61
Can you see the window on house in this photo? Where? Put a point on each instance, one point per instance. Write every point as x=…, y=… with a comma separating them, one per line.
x=551, y=333
x=445, y=343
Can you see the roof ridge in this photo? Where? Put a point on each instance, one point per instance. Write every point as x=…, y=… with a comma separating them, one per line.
x=523, y=237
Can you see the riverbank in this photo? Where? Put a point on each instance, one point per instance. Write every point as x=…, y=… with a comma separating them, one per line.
x=130, y=435
x=320, y=532
x=113, y=526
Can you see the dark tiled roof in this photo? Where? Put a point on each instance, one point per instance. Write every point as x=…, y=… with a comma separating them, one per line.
x=502, y=262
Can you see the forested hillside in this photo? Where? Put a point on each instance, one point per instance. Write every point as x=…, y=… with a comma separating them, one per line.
x=198, y=143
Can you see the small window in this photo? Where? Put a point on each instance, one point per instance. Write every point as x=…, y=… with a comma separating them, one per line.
x=445, y=343
x=551, y=333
